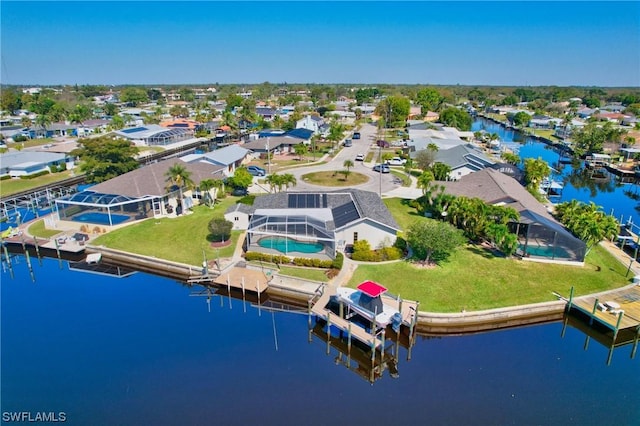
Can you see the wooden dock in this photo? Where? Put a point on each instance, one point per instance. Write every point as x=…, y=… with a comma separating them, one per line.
x=319, y=309
x=249, y=280
x=374, y=339
x=617, y=310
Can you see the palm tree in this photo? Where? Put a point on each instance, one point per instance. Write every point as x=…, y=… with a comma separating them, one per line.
x=179, y=176
x=206, y=186
x=274, y=180
x=43, y=120
x=300, y=149
x=289, y=180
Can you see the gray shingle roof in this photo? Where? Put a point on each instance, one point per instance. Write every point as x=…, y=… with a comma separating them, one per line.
x=151, y=179
x=494, y=187
x=462, y=155
x=367, y=203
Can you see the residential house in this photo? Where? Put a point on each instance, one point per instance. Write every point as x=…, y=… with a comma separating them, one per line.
x=541, y=237
x=25, y=163
x=463, y=160
x=155, y=135
x=327, y=220
x=141, y=193
x=314, y=123
x=230, y=158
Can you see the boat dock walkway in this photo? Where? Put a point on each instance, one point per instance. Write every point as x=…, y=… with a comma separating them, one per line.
x=616, y=310
x=244, y=279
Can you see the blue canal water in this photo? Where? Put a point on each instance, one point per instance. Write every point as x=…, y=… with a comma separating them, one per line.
x=623, y=199
x=141, y=351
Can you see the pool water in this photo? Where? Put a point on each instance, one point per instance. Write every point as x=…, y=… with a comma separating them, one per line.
x=543, y=251
x=100, y=218
x=287, y=245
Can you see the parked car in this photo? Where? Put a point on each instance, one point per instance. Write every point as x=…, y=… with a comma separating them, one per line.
x=397, y=161
x=347, y=142
x=360, y=157
x=356, y=135
x=382, y=168
x=382, y=144
x=239, y=192
x=256, y=171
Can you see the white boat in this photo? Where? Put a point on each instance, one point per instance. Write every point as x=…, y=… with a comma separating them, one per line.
x=367, y=302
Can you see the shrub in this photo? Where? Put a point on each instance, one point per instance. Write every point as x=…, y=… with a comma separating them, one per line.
x=35, y=175
x=5, y=177
x=338, y=261
x=220, y=229
x=19, y=138
x=401, y=244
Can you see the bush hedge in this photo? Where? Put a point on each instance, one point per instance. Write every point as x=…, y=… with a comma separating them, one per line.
x=35, y=175
x=298, y=261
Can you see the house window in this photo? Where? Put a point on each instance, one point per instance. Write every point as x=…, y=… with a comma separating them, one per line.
x=355, y=237
x=236, y=218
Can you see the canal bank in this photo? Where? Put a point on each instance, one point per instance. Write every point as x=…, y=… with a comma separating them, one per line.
x=296, y=292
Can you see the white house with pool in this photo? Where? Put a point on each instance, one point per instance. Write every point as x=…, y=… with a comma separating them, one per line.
x=314, y=224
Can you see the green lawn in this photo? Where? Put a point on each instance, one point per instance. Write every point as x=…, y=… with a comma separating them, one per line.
x=37, y=229
x=404, y=214
x=180, y=239
x=472, y=279
x=334, y=178
x=403, y=176
x=12, y=186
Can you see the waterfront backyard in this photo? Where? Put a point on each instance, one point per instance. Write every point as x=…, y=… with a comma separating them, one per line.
x=473, y=278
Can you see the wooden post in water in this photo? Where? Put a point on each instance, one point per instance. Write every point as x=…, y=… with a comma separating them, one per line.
x=586, y=343
x=610, y=355
x=244, y=306
x=258, y=289
x=570, y=299
x=229, y=291
x=349, y=345
x=33, y=277
x=615, y=332
x=635, y=342
x=593, y=311
x=309, y=319
x=55, y=241
x=6, y=255
x=35, y=244
x=328, y=331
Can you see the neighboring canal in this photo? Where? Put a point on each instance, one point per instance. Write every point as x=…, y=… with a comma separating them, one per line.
x=140, y=350
x=610, y=193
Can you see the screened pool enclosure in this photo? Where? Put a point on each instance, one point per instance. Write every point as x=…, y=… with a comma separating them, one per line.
x=542, y=239
x=299, y=232
x=106, y=209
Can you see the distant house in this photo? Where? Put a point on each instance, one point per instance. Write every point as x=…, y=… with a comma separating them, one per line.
x=312, y=122
x=139, y=194
x=585, y=113
x=541, y=237
x=230, y=158
x=463, y=159
x=267, y=113
x=155, y=135
x=89, y=127
x=25, y=163
x=327, y=221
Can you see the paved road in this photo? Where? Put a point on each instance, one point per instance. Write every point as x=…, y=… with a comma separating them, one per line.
x=384, y=182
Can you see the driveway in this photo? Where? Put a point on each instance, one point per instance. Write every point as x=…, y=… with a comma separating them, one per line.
x=383, y=182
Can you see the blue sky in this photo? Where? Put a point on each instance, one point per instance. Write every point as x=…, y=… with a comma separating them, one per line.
x=496, y=43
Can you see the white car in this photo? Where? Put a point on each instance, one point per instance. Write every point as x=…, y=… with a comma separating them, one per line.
x=360, y=157
x=397, y=161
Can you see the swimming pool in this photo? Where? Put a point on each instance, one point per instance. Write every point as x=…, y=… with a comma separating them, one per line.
x=287, y=245
x=100, y=218
x=547, y=251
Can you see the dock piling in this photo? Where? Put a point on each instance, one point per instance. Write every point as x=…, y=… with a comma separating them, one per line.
x=593, y=312
x=328, y=332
